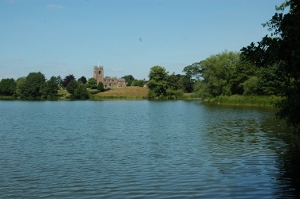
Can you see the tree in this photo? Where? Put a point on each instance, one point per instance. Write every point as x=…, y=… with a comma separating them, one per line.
x=77, y=90
x=20, y=84
x=72, y=85
x=100, y=87
x=32, y=86
x=81, y=92
x=282, y=49
x=217, y=72
x=7, y=87
x=128, y=79
x=82, y=80
x=158, y=81
x=193, y=71
x=50, y=87
x=139, y=83
x=67, y=79
x=92, y=83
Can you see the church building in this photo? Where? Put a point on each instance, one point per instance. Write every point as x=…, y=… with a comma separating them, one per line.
x=108, y=82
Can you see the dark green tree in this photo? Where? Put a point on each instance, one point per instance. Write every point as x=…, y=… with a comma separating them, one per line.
x=92, y=83
x=139, y=83
x=67, y=79
x=82, y=80
x=80, y=92
x=20, y=84
x=128, y=79
x=282, y=49
x=31, y=88
x=158, y=81
x=50, y=87
x=100, y=87
x=77, y=90
x=72, y=85
x=7, y=87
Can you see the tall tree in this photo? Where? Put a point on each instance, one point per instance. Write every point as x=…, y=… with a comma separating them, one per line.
x=217, y=72
x=50, y=87
x=20, y=86
x=7, y=87
x=128, y=79
x=100, y=87
x=33, y=84
x=158, y=81
x=67, y=79
x=82, y=79
x=282, y=49
x=92, y=83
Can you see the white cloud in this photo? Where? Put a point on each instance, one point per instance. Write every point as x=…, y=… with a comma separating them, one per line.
x=54, y=7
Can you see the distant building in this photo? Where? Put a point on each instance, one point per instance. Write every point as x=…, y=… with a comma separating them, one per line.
x=108, y=82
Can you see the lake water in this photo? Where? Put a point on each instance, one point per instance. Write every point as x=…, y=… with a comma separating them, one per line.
x=144, y=149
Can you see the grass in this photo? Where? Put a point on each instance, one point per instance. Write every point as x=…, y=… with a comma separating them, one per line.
x=133, y=92
x=245, y=100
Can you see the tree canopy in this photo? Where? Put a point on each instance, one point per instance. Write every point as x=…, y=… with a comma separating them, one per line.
x=67, y=79
x=128, y=79
x=280, y=53
x=31, y=88
x=92, y=83
x=158, y=81
x=7, y=87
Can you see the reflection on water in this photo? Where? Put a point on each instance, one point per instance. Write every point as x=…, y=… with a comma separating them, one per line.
x=142, y=149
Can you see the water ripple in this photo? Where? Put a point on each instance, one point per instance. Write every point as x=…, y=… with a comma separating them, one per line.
x=142, y=149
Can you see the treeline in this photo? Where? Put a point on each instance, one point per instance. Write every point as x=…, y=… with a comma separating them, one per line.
x=36, y=86
x=226, y=73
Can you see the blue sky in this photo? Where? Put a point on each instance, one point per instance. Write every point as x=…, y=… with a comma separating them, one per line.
x=127, y=37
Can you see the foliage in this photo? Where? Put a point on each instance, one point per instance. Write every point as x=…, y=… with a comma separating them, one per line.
x=193, y=71
x=67, y=79
x=217, y=73
x=151, y=94
x=72, y=85
x=50, y=87
x=32, y=86
x=245, y=100
x=77, y=90
x=128, y=79
x=82, y=80
x=20, y=83
x=139, y=83
x=250, y=86
x=92, y=83
x=100, y=87
x=280, y=52
x=80, y=92
x=7, y=87
x=158, y=83
x=180, y=82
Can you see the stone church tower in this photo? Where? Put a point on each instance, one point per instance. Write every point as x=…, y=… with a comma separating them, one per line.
x=99, y=73
x=108, y=82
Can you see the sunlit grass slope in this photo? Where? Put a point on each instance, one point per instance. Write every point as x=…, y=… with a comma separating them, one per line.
x=132, y=92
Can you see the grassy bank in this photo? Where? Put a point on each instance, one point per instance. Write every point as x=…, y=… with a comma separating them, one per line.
x=127, y=93
x=130, y=93
x=245, y=100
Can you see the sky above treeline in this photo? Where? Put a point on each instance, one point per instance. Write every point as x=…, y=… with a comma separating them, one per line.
x=126, y=37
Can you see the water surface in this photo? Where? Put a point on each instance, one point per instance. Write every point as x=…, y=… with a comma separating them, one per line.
x=144, y=149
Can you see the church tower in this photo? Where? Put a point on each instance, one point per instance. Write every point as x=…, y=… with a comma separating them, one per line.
x=98, y=73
